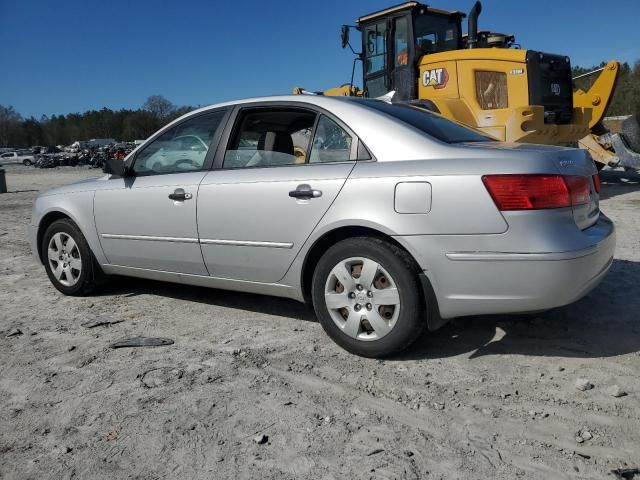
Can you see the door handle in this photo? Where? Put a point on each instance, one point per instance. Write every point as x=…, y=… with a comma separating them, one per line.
x=180, y=195
x=305, y=192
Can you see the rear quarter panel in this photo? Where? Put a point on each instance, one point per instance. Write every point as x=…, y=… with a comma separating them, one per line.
x=460, y=207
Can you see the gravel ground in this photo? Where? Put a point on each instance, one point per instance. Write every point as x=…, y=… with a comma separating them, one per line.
x=253, y=388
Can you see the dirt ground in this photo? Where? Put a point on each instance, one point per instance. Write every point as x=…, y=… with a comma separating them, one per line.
x=483, y=398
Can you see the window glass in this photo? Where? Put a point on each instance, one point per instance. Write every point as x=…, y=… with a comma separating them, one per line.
x=375, y=36
x=491, y=90
x=436, y=33
x=430, y=123
x=401, y=42
x=376, y=87
x=182, y=148
x=331, y=143
x=270, y=137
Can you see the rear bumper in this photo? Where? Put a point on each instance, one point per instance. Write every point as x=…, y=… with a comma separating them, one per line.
x=468, y=282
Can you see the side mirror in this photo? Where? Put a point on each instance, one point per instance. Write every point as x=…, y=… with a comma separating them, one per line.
x=116, y=167
x=344, y=36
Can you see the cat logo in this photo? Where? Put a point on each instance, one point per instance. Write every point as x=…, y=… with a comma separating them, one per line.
x=436, y=78
x=555, y=88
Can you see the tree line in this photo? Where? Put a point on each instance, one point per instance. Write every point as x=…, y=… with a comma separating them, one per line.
x=129, y=125
x=122, y=125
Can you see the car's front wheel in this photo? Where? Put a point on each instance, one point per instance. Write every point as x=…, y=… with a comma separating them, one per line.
x=27, y=163
x=68, y=260
x=366, y=294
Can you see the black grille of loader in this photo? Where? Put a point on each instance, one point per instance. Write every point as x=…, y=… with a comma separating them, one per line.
x=550, y=85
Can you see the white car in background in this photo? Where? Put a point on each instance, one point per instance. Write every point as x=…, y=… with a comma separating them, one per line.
x=24, y=157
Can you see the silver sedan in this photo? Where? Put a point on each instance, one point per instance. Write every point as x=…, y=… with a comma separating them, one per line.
x=388, y=218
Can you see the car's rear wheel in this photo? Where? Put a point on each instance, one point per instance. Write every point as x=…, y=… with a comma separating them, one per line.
x=68, y=260
x=366, y=294
x=27, y=163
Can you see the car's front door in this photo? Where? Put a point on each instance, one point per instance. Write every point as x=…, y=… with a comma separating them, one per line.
x=149, y=220
x=282, y=170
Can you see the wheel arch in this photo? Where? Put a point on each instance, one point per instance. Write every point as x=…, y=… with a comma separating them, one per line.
x=44, y=223
x=331, y=237
x=320, y=245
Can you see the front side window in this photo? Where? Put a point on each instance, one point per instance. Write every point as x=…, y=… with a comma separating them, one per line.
x=375, y=37
x=266, y=137
x=182, y=148
x=331, y=143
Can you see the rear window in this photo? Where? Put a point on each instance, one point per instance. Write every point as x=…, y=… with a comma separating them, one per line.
x=430, y=123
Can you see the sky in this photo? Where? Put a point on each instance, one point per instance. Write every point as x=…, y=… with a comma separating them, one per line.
x=64, y=56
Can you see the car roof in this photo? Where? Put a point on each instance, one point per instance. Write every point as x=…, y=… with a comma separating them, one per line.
x=319, y=100
x=386, y=137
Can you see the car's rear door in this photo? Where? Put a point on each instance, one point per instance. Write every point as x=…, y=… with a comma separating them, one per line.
x=149, y=220
x=268, y=192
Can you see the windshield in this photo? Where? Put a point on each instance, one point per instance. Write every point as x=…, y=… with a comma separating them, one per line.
x=430, y=123
x=437, y=33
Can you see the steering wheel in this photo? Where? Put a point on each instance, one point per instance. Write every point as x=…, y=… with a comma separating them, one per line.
x=187, y=161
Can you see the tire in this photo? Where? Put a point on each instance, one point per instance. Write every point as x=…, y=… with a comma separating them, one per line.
x=376, y=329
x=83, y=272
x=27, y=163
x=631, y=132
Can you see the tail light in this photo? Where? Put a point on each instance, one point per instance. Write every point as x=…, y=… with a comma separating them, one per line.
x=535, y=192
x=596, y=183
x=580, y=189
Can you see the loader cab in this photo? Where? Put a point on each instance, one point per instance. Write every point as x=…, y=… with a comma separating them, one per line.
x=395, y=39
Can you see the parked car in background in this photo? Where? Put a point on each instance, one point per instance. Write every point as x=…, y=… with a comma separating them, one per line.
x=99, y=142
x=23, y=157
x=389, y=219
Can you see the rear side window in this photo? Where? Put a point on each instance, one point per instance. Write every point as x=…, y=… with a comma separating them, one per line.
x=269, y=137
x=331, y=143
x=430, y=123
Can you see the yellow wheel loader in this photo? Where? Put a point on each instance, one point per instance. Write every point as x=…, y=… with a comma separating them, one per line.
x=417, y=54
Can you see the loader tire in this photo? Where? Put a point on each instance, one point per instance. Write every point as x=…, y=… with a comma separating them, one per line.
x=631, y=132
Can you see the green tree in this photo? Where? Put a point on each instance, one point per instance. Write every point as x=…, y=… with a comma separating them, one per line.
x=10, y=126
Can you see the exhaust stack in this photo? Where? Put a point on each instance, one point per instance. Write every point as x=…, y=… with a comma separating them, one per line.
x=472, y=35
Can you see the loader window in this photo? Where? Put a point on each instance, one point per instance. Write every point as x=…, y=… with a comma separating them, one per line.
x=375, y=49
x=401, y=42
x=437, y=33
